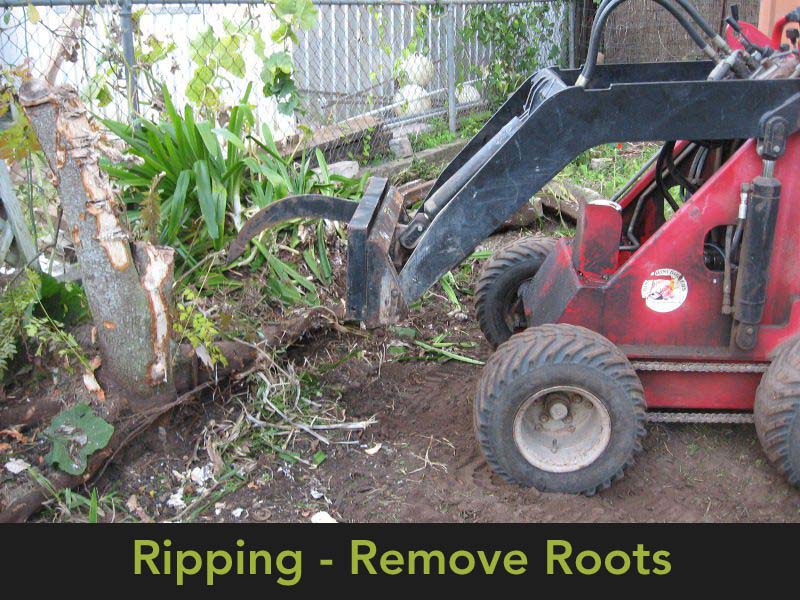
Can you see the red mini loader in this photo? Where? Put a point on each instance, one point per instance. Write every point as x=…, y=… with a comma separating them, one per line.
x=677, y=300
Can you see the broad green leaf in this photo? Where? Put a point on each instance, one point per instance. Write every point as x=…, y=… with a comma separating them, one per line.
x=200, y=84
x=230, y=137
x=311, y=261
x=208, y=204
x=325, y=264
x=325, y=176
x=319, y=458
x=209, y=140
x=103, y=96
x=229, y=56
x=76, y=434
x=33, y=14
x=177, y=206
x=201, y=46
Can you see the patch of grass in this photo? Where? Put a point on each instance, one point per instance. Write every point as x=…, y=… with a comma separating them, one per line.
x=472, y=123
x=622, y=161
x=69, y=506
x=439, y=134
x=419, y=169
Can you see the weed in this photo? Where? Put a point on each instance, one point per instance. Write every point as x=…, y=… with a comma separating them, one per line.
x=68, y=505
x=33, y=311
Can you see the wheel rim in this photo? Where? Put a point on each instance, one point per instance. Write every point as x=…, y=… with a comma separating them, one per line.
x=562, y=429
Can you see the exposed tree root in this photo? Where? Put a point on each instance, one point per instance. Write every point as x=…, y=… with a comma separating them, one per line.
x=19, y=502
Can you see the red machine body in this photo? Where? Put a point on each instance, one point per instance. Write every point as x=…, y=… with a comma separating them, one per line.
x=662, y=303
x=755, y=35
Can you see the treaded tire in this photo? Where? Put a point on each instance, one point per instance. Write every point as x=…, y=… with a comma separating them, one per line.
x=777, y=412
x=558, y=355
x=503, y=273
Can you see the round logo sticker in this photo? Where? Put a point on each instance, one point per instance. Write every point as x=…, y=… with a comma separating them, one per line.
x=665, y=290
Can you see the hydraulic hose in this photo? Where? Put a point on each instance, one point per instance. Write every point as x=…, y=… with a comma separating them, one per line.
x=666, y=150
x=701, y=22
x=608, y=6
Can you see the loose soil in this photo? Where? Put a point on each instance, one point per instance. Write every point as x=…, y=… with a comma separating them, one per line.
x=428, y=466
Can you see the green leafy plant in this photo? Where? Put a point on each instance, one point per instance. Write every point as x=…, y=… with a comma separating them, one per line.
x=71, y=506
x=217, y=58
x=473, y=123
x=200, y=172
x=274, y=176
x=33, y=311
x=436, y=136
x=515, y=33
x=75, y=434
x=198, y=329
x=190, y=174
x=107, y=80
x=17, y=137
x=220, y=57
x=620, y=163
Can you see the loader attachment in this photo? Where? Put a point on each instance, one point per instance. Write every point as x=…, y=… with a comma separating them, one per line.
x=543, y=126
x=373, y=294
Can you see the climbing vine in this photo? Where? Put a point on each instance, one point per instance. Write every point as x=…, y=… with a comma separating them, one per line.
x=521, y=40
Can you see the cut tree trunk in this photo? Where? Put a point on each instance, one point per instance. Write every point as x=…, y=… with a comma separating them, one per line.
x=128, y=286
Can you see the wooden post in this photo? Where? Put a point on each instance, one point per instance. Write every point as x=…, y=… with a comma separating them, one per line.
x=16, y=219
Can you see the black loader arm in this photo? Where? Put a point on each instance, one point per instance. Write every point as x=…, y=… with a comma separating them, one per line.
x=543, y=126
x=653, y=102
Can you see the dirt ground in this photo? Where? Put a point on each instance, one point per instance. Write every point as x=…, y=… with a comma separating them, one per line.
x=420, y=461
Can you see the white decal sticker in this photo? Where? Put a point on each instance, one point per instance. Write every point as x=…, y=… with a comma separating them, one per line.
x=665, y=290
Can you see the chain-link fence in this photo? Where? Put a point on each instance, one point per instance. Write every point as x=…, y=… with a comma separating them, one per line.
x=358, y=74
x=365, y=80
x=362, y=72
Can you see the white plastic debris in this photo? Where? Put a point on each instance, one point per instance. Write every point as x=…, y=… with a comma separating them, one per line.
x=200, y=475
x=176, y=501
x=418, y=69
x=316, y=494
x=374, y=450
x=16, y=466
x=204, y=356
x=237, y=512
x=411, y=99
x=322, y=517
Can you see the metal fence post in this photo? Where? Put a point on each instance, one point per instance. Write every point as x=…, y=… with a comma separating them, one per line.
x=573, y=33
x=451, y=66
x=129, y=57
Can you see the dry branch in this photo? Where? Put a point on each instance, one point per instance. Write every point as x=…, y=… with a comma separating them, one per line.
x=67, y=44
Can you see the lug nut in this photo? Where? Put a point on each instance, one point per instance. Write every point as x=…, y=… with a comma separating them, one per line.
x=558, y=411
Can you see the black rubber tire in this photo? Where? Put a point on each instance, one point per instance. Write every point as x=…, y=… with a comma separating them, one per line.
x=550, y=355
x=499, y=282
x=777, y=412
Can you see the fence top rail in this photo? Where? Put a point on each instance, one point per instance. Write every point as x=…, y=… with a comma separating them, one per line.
x=54, y=3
